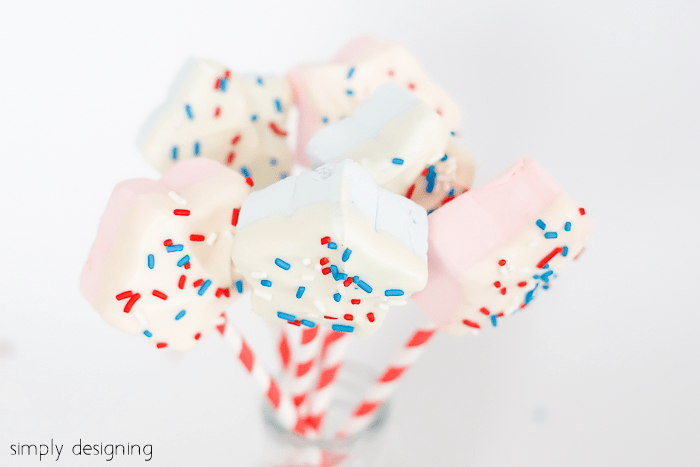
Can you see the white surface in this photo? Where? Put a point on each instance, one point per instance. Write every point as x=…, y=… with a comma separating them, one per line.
x=602, y=371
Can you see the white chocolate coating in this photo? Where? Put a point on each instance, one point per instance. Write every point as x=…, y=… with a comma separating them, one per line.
x=372, y=235
x=403, y=143
x=330, y=91
x=174, y=262
x=237, y=121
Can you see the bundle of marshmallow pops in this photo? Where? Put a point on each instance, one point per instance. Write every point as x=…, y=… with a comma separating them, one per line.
x=380, y=209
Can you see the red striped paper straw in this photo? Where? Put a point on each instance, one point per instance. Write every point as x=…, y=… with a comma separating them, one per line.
x=277, y=398
x=285, y=352
x=388, y=381
x=333, y=352
x=304, y=366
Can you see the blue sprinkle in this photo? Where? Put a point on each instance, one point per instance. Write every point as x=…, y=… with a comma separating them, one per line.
x=356, y=279
x=393, y=292
x=245, y=172
x=300, y=291
x=196, y=148
x=530, y=295
x=546, y=266
x=308, y=323
x=452, y=133
x=254, y=118
x=180, y=315
x=174, y=153
x=550, y=235
x=286, y=316
x=273, y=161
x=451, y=193
x=325, y=120
x=545, y=287
x=204, y=287
x=184, y=260
x=341, y=276
x=444, y=158
x=151, y=261
x=494, y=321
x=260, y=81
x=332, y=245
x=278, y=105
x=364, y=286
x=567, y=226
x=266, y=283
x=535, y=276
x=188, y=110
x=222, y=85
x=541, y=224
x=336, y=297
x=430, y=212
x=283, y=264
x=430, y=187
x=397, y=161
x=284, y=175
x=565, y=251
x=349, y=92
x=334, y=271
x=147, y=333
x=342, y=328
x=346, y=254
x=239, y=286
x=545, y=276
x=352, y=70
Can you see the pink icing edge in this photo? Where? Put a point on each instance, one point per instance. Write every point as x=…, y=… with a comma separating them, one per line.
x=181, y=176
x=310, y=121
x=500, y=208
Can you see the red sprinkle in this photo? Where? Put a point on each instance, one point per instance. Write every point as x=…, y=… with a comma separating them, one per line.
x=196, y=238
x=500, y=315
x=295, y=323
x=231, y=157
x=410, y=191
x=217, y=112
x=503, y=291
x=249, y=181
x=124, y=295
x=187, y=265
x=347, y=282
x=485, y=310
x=217, y=85
x=198, y=282
x=551, y=255
x=330, y=317
x=236, y=139
x=227, y=74
x=411, y=86
x=390, y=72
x=424, y=172
x=326, y=271
x=181, y=212
x=234, y=216
x=582, y=211
x=348, y=317
x=277, y=130
x=161, y=345
x=497, y=284
x=355, y=301
x=181, y=282
x=438, y=111
x=522, y=284
x=324, y=261
x=471, y=324
x=325, y=240
x=197, y=336
x=370, y=317
x=168, y=242
x=131, y=302
x=502, y=262
x=159, y=294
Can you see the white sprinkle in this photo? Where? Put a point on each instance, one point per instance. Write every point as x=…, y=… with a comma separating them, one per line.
x=318, y=267
x=533, y=244
x=397, y=302
x=212, y=238
x=320, y=306
x=383, y=298
x=177, y=198
x=140, y=318
x=383, y=306
x=258, y=275
x=263, y=295
x=229, y=234
x=306, y=261
x=307, y=277
x=503, y=270
x=341, y=288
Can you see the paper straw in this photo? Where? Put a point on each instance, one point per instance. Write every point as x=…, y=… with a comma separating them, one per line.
x=278, y=399
x=382, y=389
x=304, y=369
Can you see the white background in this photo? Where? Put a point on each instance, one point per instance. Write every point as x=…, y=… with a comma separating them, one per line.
x=603, y=370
